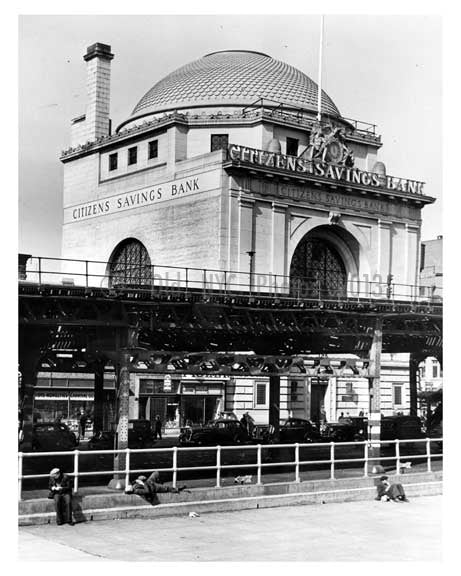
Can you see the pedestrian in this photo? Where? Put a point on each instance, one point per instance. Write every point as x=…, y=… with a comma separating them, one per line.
x=361, y=414
x=385, y=491
x=82, y=423
x=60, y=490
x=158, y=427
x=341, y=417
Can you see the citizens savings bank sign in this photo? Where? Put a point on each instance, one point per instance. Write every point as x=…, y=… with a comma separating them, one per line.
x=299, y=165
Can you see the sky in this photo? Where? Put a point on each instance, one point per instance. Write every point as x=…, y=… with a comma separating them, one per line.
x=381, y=69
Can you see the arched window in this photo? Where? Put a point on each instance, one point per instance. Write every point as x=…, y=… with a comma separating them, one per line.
x=130, y=264
x=317, y=266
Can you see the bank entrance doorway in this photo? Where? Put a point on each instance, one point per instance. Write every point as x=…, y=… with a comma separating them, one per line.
x=318, y=392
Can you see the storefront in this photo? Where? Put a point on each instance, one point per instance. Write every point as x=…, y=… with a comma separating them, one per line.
x=65, y=397
x=180, y=401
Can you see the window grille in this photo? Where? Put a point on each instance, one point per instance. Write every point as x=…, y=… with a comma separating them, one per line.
x=317, y=269
x=130, y=264
x=219, y=142
x=261, y=394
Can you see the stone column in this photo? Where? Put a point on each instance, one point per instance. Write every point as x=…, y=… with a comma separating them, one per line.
x=245, y=244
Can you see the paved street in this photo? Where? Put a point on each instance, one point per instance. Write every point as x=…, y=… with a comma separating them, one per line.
x=354, y=531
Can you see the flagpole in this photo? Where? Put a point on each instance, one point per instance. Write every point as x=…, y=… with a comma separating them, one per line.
x=319, y=94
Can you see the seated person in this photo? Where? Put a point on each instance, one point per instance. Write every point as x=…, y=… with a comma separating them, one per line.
x=60, y=490
x=387, y=491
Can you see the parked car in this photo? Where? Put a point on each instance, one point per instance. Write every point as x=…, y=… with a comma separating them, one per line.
x=298, y=430
x=350, y=429
x=140, y=435
x=222, y=431
x=50, y=436
x=401, y=427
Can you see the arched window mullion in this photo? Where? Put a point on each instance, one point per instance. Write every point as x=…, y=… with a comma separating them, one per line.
x=129, y=264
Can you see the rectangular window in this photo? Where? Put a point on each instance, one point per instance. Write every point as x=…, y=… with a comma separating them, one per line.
x=219, y=142
x=294, y=391
x=260, y=394
x=113, y=161
x=153, y=149
x=422, y=371
x=132, y=155
x=435, y=369
x=397, y=395
x=292, y=146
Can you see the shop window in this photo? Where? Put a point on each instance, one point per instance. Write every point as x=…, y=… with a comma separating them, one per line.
x=292, y=146
x=113, y=161
x=219, y=142
x=132, y=155
x=260, y=399
x=153, y=149
x=294, y=391
x=397, y=390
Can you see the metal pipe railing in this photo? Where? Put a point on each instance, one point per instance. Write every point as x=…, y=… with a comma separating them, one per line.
x=93, y=274
x=296, y=463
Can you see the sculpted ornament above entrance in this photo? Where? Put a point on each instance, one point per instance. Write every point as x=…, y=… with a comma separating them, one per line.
x=328, y=144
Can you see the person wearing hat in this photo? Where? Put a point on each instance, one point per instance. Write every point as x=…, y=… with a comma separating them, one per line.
x=390, y=492
x=60, y=490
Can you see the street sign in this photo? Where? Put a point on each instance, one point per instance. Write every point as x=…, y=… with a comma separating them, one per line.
x=167, y=383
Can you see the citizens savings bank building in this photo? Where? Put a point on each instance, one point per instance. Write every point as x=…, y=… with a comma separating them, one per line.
x=223, y=170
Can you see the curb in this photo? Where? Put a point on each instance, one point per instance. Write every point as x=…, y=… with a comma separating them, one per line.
x=234, y=504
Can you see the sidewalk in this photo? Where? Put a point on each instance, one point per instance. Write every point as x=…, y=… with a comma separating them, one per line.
x=351, y=531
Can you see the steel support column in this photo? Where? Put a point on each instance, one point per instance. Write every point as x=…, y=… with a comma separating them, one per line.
x=374, y=416
x=126, y=339
x=29, y=361
x=413, y=369
x=98, y=420
x=28, y=381
x=274, y=403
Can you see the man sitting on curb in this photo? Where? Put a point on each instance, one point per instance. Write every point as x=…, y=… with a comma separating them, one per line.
x=387, y=491
x=60, y=490
x=149, y=487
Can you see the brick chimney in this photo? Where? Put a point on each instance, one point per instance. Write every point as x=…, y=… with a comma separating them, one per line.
x=96, y=121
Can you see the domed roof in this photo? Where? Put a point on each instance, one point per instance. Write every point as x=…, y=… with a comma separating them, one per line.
x=233, y=78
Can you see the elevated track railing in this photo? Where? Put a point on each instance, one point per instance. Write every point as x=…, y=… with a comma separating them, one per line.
x=155, y=278
x=258, y=463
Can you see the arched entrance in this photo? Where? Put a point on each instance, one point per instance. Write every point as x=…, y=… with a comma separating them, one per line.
x=317, y=269
x=130, y=264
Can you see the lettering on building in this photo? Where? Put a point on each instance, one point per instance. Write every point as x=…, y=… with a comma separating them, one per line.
x=346, y=174
x=148, y=196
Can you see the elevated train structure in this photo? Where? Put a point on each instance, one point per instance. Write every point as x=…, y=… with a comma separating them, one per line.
x=224, y=229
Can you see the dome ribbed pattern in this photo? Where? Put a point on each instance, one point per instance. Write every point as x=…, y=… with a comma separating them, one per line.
x=233, y=78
